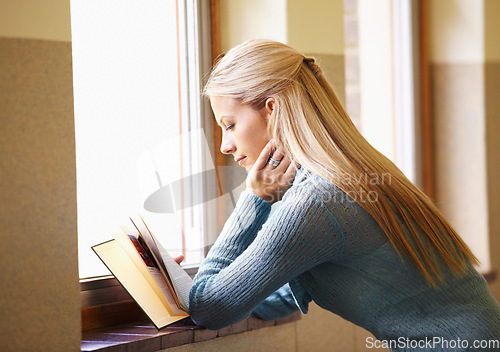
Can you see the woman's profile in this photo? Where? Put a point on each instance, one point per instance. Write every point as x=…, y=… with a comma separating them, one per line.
x=352, y=233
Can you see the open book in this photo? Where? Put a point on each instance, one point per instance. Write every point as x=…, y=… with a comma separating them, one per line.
x=149, y=274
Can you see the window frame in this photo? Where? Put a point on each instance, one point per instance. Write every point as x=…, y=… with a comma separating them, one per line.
x=405, y=37
x=104, y=302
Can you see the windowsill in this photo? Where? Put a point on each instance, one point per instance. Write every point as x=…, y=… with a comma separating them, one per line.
x=143, y=336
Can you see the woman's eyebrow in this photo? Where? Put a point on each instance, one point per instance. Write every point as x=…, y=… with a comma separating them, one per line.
x=222, y=119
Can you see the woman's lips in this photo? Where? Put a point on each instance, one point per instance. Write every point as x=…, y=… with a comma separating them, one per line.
x=240, y=160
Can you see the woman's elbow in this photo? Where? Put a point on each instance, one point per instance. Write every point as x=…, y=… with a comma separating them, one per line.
x=213, y=315
x=210, y=324
x=201, y=316
x=210, y=318
x=204, y=313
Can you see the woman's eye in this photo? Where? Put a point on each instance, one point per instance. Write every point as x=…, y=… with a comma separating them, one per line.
x=229, y=127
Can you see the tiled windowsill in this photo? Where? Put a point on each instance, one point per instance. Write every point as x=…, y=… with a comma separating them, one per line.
x=144, y=337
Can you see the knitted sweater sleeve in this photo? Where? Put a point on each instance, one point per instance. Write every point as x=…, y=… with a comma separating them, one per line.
x=253, y=258
x=278, y=305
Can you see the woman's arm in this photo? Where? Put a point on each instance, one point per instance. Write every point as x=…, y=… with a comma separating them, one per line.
x=245, y=265
x=278, y=305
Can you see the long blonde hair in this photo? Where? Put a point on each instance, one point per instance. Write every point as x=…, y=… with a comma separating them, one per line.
x=310, y=124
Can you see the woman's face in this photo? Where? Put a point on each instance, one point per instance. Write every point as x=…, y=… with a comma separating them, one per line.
x=244, y=129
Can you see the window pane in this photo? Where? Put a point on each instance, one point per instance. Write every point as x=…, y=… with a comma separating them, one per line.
x=380, y=84
x=126, y=105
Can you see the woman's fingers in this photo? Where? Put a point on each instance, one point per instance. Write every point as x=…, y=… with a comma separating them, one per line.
x=276, y=158
x=288, y=171
x=292, y=169
x=264, y=156
x=272, y=174
x=178, y=259
x=284, y=163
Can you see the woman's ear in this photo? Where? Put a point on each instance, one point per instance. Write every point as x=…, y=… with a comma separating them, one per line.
x=269, y=106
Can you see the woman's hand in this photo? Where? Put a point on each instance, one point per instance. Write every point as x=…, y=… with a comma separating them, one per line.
x=268, y=181
x=178, y=258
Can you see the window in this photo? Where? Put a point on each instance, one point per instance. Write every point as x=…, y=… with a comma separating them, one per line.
x=140, y=123
x=381, y=89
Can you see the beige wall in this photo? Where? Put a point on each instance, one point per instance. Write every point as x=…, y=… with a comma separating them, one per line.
x=318, y=331
x=465, y=70
x=457, y=31
x=316, y=26
x=491, y=30
x=457, y=56
x=492, y=127
x=40, y=305
x=460, y=159
x=46, y=19
x=302, y=24
x=258, y=19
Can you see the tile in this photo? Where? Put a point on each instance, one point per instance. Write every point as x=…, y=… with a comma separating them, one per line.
x=291, y=318
x=177, y=338
x=257, y=323
x=203, y=334
x=233, y=329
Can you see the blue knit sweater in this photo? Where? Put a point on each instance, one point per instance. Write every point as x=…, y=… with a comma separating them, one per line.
x=320, y=245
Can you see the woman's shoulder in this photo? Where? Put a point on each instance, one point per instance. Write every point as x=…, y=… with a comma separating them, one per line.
x=311, y=189
x=309, y=184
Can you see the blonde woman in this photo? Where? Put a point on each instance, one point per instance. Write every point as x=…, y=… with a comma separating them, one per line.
x=351, y=233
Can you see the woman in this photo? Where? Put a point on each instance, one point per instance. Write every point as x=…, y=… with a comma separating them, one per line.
x=352, y=233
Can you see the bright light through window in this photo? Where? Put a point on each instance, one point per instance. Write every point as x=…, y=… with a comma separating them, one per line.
x=127, y=120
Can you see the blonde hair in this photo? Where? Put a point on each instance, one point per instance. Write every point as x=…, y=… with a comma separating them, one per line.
x=310, y=124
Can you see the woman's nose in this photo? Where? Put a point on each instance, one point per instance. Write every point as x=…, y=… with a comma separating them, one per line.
x=227, y=146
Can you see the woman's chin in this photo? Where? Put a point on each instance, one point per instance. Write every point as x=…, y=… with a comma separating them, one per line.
x=248, y=167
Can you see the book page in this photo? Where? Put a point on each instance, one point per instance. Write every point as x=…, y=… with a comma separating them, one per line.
x=165, y=290
x=158, y=277
x=144, y=234
x=181, y=281
x=148, y=239
x=155, y=278
x=132, y=279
